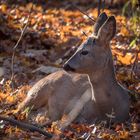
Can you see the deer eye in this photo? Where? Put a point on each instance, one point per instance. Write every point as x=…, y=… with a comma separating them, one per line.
x=84, y=52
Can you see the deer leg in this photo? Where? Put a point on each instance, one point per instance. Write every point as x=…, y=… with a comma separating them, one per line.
x=76, y=110
x=54, y=112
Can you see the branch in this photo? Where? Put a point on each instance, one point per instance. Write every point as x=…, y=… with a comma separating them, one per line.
x=83, y=12
x=15, y=47
x=25, y=126
x=84, y=33
x=134, y=64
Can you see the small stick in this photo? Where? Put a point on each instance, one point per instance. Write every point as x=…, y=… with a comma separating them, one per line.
x=25, y=126
x=83, y=12
x=134, y=64
x=14, y=49
x=84, y=33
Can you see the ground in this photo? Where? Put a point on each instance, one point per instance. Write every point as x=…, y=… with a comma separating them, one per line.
x=54, y=29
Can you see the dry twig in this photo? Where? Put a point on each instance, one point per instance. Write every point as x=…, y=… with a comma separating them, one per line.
x=14, y=50
x=134, y=64
x=25, y=126
x=83, y=12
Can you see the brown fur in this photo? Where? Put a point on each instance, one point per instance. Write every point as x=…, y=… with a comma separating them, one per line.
x=70, y=94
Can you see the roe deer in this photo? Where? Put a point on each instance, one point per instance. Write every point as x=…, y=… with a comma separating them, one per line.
x=71, y=93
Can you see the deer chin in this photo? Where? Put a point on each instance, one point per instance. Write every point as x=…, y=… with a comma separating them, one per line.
x=66, y=67
x=80, y=71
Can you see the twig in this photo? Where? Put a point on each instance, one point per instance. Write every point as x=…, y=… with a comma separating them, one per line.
x=83, y=12
x=25, y=126
x=84, y=33
x=14, y=50
x=134, y=64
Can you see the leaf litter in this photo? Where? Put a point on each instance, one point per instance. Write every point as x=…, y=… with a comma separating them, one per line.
x=53, y=34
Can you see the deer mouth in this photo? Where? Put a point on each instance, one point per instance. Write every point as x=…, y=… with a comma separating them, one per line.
x=66, y=67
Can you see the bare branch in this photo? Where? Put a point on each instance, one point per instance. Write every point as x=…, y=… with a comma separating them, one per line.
x=134, y=64
x=14, y=50
x=83, y=12
x=84, y=33
x=25, y=126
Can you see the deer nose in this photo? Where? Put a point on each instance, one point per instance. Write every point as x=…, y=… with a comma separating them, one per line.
x=67, y=67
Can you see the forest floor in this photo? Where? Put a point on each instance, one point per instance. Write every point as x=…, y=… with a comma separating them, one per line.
x=54, y=31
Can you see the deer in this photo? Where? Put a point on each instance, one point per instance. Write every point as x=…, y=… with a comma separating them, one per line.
x=86, y=90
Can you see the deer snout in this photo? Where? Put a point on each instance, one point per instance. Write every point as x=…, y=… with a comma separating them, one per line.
x=67, y=67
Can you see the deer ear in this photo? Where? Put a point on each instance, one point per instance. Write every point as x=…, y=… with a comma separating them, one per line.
x=99, y=22
x=108, y=30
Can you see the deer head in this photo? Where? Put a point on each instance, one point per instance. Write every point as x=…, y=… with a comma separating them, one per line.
x=94, y=53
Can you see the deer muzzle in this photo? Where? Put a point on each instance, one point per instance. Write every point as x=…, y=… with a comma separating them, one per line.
x=67, y=67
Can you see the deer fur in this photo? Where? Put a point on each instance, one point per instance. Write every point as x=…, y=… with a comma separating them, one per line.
x=69, y=92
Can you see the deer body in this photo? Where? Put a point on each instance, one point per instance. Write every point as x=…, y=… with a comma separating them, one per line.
x=59, y=98
x=70, y=93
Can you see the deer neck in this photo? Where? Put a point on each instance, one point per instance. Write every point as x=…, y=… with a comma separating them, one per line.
x=104, y=78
